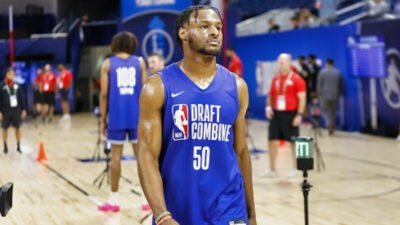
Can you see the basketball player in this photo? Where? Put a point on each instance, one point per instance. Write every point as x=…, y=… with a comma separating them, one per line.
x=12, y=107
x=48, y=88
x=194, y=164
x=122, y=77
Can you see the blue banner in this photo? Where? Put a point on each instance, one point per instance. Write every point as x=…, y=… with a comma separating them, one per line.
x=259, y=53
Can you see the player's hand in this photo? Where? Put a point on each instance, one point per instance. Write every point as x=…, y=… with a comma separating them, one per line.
x=104, y=128
x=23, y=114
x=269, y=112
x=1, y=116
x=252, y=221
x=170, y=222
x=297, y=120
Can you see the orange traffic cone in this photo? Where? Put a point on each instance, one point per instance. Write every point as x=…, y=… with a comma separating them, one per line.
x=42, y=154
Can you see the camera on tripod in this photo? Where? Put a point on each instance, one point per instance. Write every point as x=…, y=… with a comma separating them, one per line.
x=305, y=153
x=6, y=193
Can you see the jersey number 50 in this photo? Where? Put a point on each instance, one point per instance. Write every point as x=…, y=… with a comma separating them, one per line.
x=201, y=158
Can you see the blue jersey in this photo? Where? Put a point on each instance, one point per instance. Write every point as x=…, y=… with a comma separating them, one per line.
x=125, y=82
x=203, y=184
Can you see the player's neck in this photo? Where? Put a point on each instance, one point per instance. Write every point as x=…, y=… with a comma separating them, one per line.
x=198, y=65
x=122, y=55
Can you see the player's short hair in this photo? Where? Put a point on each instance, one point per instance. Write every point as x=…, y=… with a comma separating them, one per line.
x=9, y=69
x=312, y=56
x=124, y=42
x=330, y=61
x=157, y=55
x=184, y=17
x=302, y=57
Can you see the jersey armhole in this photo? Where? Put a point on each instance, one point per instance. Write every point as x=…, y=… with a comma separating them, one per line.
x=166, y=88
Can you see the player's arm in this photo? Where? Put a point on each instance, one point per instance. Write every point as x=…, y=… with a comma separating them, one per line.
x=143, y=69
x=150, y=137
x=105, y=69
x=242, y=151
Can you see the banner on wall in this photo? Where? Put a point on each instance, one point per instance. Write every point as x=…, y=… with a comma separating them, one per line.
x=387, y=89
x=265, y=71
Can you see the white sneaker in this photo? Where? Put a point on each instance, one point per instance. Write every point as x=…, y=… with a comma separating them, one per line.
x=294, y=174
x=398, y=138
x=269, y=174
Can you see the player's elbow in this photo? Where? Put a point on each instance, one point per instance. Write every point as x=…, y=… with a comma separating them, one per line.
x=242, y=153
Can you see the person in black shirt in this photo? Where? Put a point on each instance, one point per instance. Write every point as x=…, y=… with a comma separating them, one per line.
x=313, y=75
x=12, y=107
x=273, y=27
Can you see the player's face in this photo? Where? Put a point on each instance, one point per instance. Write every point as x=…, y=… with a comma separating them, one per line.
x=10, y=75
x=205, y=32
x=39, y=72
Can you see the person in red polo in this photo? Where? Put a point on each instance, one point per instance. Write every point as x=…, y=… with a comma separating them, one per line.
x=285, y=107
x=48, y=83
x=64, y=86
x=235, y=65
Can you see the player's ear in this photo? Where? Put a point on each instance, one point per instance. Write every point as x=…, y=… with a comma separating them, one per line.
x=183, y=34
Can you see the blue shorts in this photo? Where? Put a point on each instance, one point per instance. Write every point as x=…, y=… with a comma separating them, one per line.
x=118, y=137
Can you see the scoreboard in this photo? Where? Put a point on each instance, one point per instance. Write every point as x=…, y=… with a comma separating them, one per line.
x=366, y=56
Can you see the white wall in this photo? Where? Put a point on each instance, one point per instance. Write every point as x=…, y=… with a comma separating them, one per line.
x=49, y=6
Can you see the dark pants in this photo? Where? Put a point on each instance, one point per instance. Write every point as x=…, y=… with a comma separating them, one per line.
x=329, y=111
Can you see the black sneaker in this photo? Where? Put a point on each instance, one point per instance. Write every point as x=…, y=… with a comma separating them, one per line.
x=5, y=150
x=19, y=150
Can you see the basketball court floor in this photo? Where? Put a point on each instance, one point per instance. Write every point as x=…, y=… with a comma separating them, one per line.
x=361, y=183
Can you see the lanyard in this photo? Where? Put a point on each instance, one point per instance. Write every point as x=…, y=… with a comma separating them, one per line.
x=278, y=84
x=9, y=91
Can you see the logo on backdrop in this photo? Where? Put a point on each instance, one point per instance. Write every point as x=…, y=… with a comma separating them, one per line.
x=180, y=114
x=157, y=40
x=391, y=85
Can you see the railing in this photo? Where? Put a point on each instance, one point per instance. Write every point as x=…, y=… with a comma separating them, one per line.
x=354, y=12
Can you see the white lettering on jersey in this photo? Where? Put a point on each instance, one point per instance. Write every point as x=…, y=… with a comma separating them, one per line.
x=126, y=80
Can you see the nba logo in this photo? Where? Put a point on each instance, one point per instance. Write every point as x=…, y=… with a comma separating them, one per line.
x=181, y=122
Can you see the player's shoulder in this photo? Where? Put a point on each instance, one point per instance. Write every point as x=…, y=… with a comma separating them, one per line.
x=168, y=70
x=153, y=83
x=223, y=70
x=153, y=91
